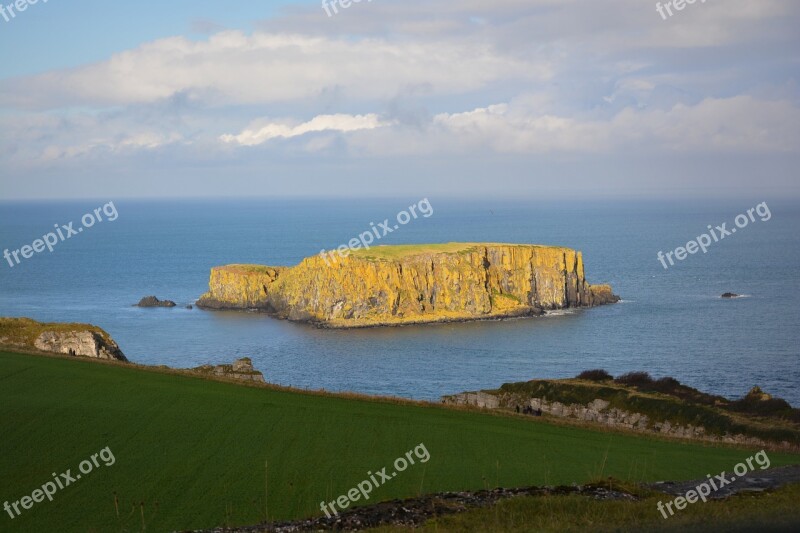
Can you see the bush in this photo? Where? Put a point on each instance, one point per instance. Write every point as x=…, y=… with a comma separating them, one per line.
x=635, y=378
x=597, y=374
x=774, y=407
x=665, y=385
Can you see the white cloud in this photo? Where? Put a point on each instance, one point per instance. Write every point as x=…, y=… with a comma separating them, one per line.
x=259, y=133
x=231, y=68
x=455, y=80
x=731, y=125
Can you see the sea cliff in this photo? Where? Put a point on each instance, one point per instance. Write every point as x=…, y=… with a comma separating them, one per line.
x=70, y=339
x=394, y=285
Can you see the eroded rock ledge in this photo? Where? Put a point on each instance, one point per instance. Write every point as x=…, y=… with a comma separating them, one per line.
x=70, y=339
x=395, y=285
x=629, y=408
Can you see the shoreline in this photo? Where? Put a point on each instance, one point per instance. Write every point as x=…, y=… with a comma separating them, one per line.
x=397, y=400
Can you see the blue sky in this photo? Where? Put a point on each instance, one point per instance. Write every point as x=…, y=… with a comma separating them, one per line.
x=522, y=98
x=66, y=33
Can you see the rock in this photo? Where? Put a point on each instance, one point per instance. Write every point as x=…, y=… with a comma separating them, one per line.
x=85, y=343
x=388, y=285
x=189, y=307
x=152, y=301
x=71, y=339
x=757, y=394
x=730, y=295
x=240, y=369
x=477, y=399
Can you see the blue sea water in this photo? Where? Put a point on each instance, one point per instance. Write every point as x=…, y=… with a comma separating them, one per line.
x=671, y=322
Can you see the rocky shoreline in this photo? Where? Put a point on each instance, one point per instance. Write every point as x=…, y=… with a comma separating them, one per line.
x=614, y=405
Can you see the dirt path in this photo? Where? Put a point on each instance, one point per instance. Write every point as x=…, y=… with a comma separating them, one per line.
x=756, y=481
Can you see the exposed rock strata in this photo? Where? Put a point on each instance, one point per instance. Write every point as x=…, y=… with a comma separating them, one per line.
x=599, y=411
x=438, y=283
x=84, y=343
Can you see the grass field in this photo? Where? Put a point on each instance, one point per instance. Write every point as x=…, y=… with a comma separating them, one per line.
x=190, y=452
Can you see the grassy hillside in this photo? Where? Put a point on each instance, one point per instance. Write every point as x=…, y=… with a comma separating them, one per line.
x=190, y=452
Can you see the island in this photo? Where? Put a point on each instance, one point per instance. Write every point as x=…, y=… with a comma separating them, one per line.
x=411, y=284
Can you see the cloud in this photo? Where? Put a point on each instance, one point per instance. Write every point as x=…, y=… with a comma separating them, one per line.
x=523, y=126
x=232, y=68
x=258, y=134
x=508, y=79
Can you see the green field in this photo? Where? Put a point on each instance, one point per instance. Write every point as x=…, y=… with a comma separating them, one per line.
x=190, y=452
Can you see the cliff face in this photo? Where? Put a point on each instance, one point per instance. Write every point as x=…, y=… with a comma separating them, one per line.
x=240, y=287
x=70, y=339
x=400, y=285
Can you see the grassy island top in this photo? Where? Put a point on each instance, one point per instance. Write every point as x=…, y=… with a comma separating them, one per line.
x=395, y=253
x=400, y=251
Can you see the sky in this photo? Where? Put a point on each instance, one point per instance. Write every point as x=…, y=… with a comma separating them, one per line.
x=519, y=98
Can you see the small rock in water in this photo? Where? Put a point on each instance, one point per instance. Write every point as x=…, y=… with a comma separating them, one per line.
x=152, y=301
x=189, y=307
x=730, y=295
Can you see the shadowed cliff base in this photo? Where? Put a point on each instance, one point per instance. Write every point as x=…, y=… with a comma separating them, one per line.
x=411, y=284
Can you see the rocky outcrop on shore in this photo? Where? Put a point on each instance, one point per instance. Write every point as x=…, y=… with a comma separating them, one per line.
x=70, y=339
x=395, y=285
x=240, y=369
x=632, y=409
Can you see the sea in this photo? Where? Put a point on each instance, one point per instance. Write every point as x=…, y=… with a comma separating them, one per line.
x=670, y=322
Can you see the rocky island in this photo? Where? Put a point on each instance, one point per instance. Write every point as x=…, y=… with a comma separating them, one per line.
x=411, y=284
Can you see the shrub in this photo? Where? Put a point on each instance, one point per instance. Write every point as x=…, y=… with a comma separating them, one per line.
x=597, y=374
x=773, y=407
x=666, y=385
x=635, y=378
